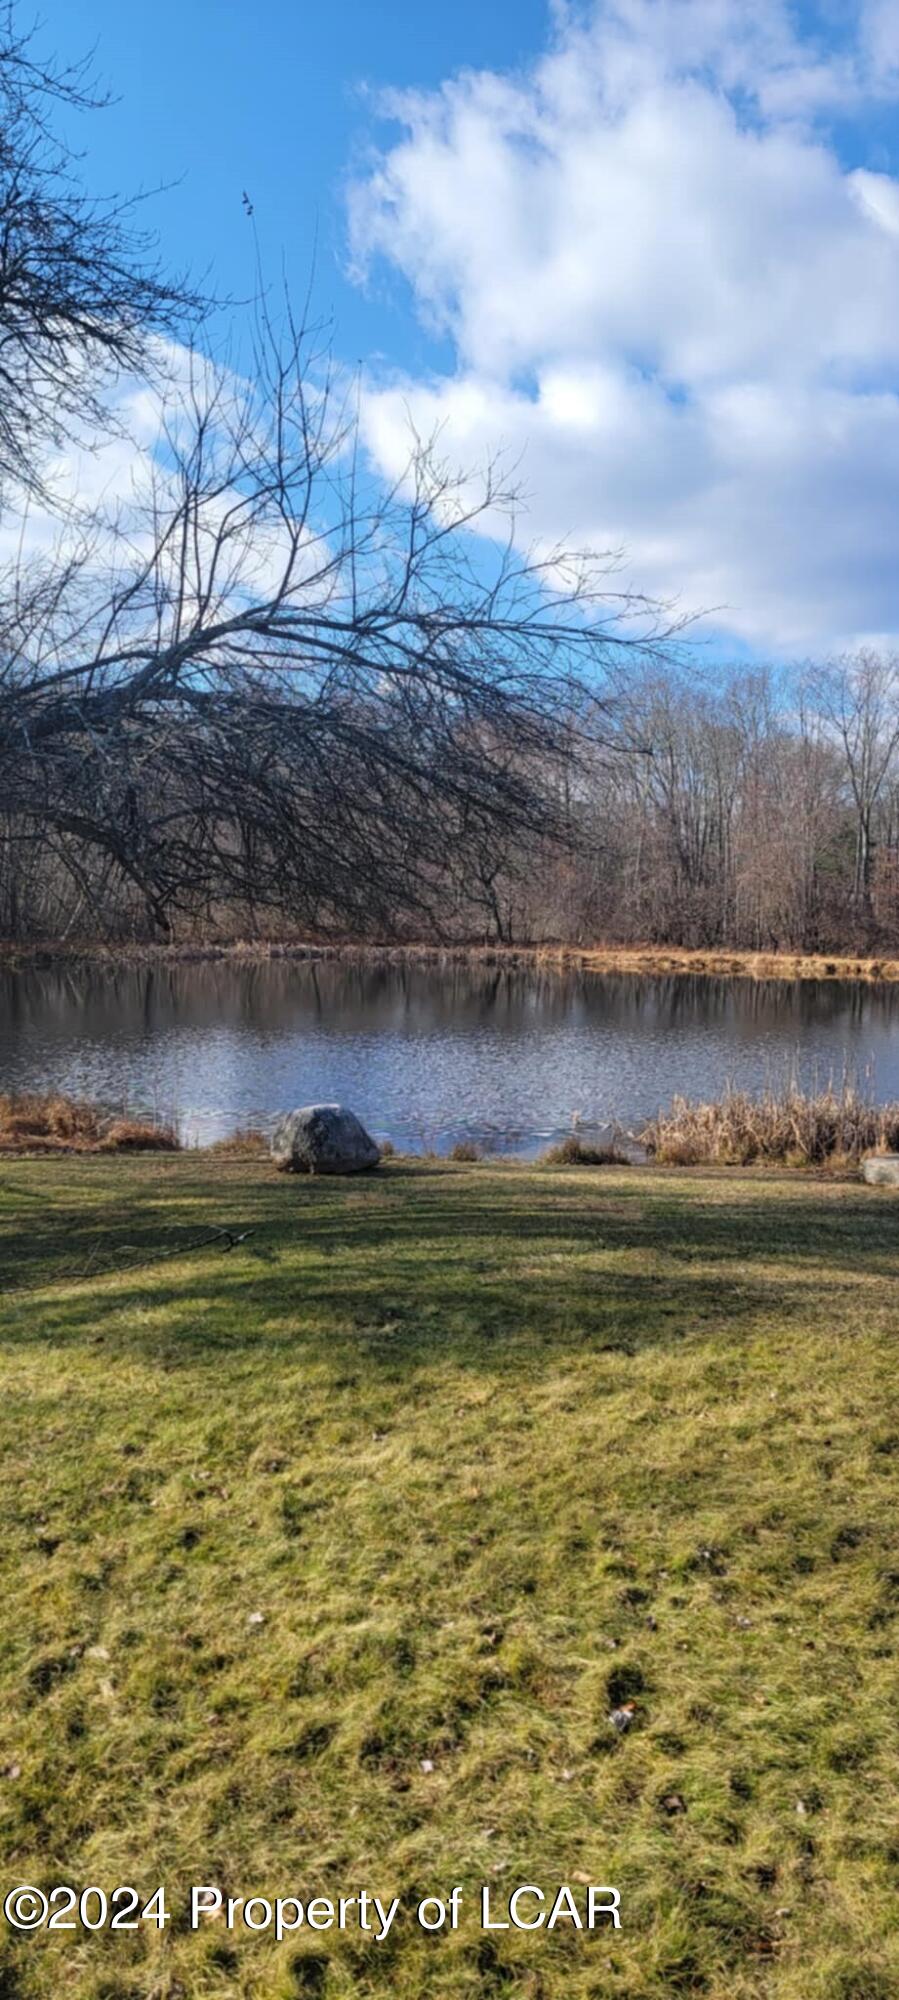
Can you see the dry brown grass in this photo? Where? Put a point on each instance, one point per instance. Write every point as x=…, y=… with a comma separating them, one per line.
x=789, y=1127
x=575, y=1152
x=245, y=1144
x=657, y=961
x=661, y=960
x=53, y=1123
x=466, y=1152
x=139, y=1135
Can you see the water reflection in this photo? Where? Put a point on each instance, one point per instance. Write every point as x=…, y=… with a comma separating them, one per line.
x=426, y=1055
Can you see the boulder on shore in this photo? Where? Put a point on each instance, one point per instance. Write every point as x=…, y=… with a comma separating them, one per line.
x=882, y=1170
x=323, y=1139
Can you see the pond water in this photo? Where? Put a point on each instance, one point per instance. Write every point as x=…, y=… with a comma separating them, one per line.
x=427, y=1055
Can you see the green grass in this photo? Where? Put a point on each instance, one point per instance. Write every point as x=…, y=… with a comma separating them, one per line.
x=488, y=1448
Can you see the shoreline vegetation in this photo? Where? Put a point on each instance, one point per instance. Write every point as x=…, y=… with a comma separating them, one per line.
x=51, y=1122
x=342, y=1515
x=650, y=961
x=833, y=1128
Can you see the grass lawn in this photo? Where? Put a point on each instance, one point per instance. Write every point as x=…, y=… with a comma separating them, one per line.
x=327, y=1555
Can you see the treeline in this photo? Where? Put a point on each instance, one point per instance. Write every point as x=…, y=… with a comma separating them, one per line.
x=753, y=808
x=748, y=808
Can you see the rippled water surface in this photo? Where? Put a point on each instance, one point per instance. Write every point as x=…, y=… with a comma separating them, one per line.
x=426, y=1056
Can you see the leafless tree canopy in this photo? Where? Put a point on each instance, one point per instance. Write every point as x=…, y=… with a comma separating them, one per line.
x=269, y=683
x=766, y=816
x=80, y=291
x=262, y=683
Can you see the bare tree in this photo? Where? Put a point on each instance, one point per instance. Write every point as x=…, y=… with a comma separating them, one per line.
x=269, y=683
x=264, y=683
x=81, y=293
x=859, y=696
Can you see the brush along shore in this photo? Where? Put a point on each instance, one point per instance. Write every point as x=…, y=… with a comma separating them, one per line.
x=834, y=1127
x=342, y=1519
x=655, y=961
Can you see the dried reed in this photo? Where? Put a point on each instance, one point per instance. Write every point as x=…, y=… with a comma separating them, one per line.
x=790, y=1126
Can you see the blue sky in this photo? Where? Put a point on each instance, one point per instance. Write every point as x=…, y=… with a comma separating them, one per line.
x=647, y=248
x=279, y=97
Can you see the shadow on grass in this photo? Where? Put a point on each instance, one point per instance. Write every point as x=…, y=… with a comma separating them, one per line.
x=423, y=1263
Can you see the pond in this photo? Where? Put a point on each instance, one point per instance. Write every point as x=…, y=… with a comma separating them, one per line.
x=427, y=1055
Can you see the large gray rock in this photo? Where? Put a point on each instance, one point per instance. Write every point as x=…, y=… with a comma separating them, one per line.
x=882, y=1170
x=323, y=1139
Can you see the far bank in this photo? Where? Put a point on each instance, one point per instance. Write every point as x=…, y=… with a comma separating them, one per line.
x=653, y=961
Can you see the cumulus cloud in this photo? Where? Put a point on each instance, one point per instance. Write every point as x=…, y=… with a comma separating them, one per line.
x=106, y=497
x=673, y=294
x=880, y=38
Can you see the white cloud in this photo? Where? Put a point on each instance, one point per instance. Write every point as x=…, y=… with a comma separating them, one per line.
x=879, y=195
x=880, y=37
x=105, y=496
x=670, y=293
